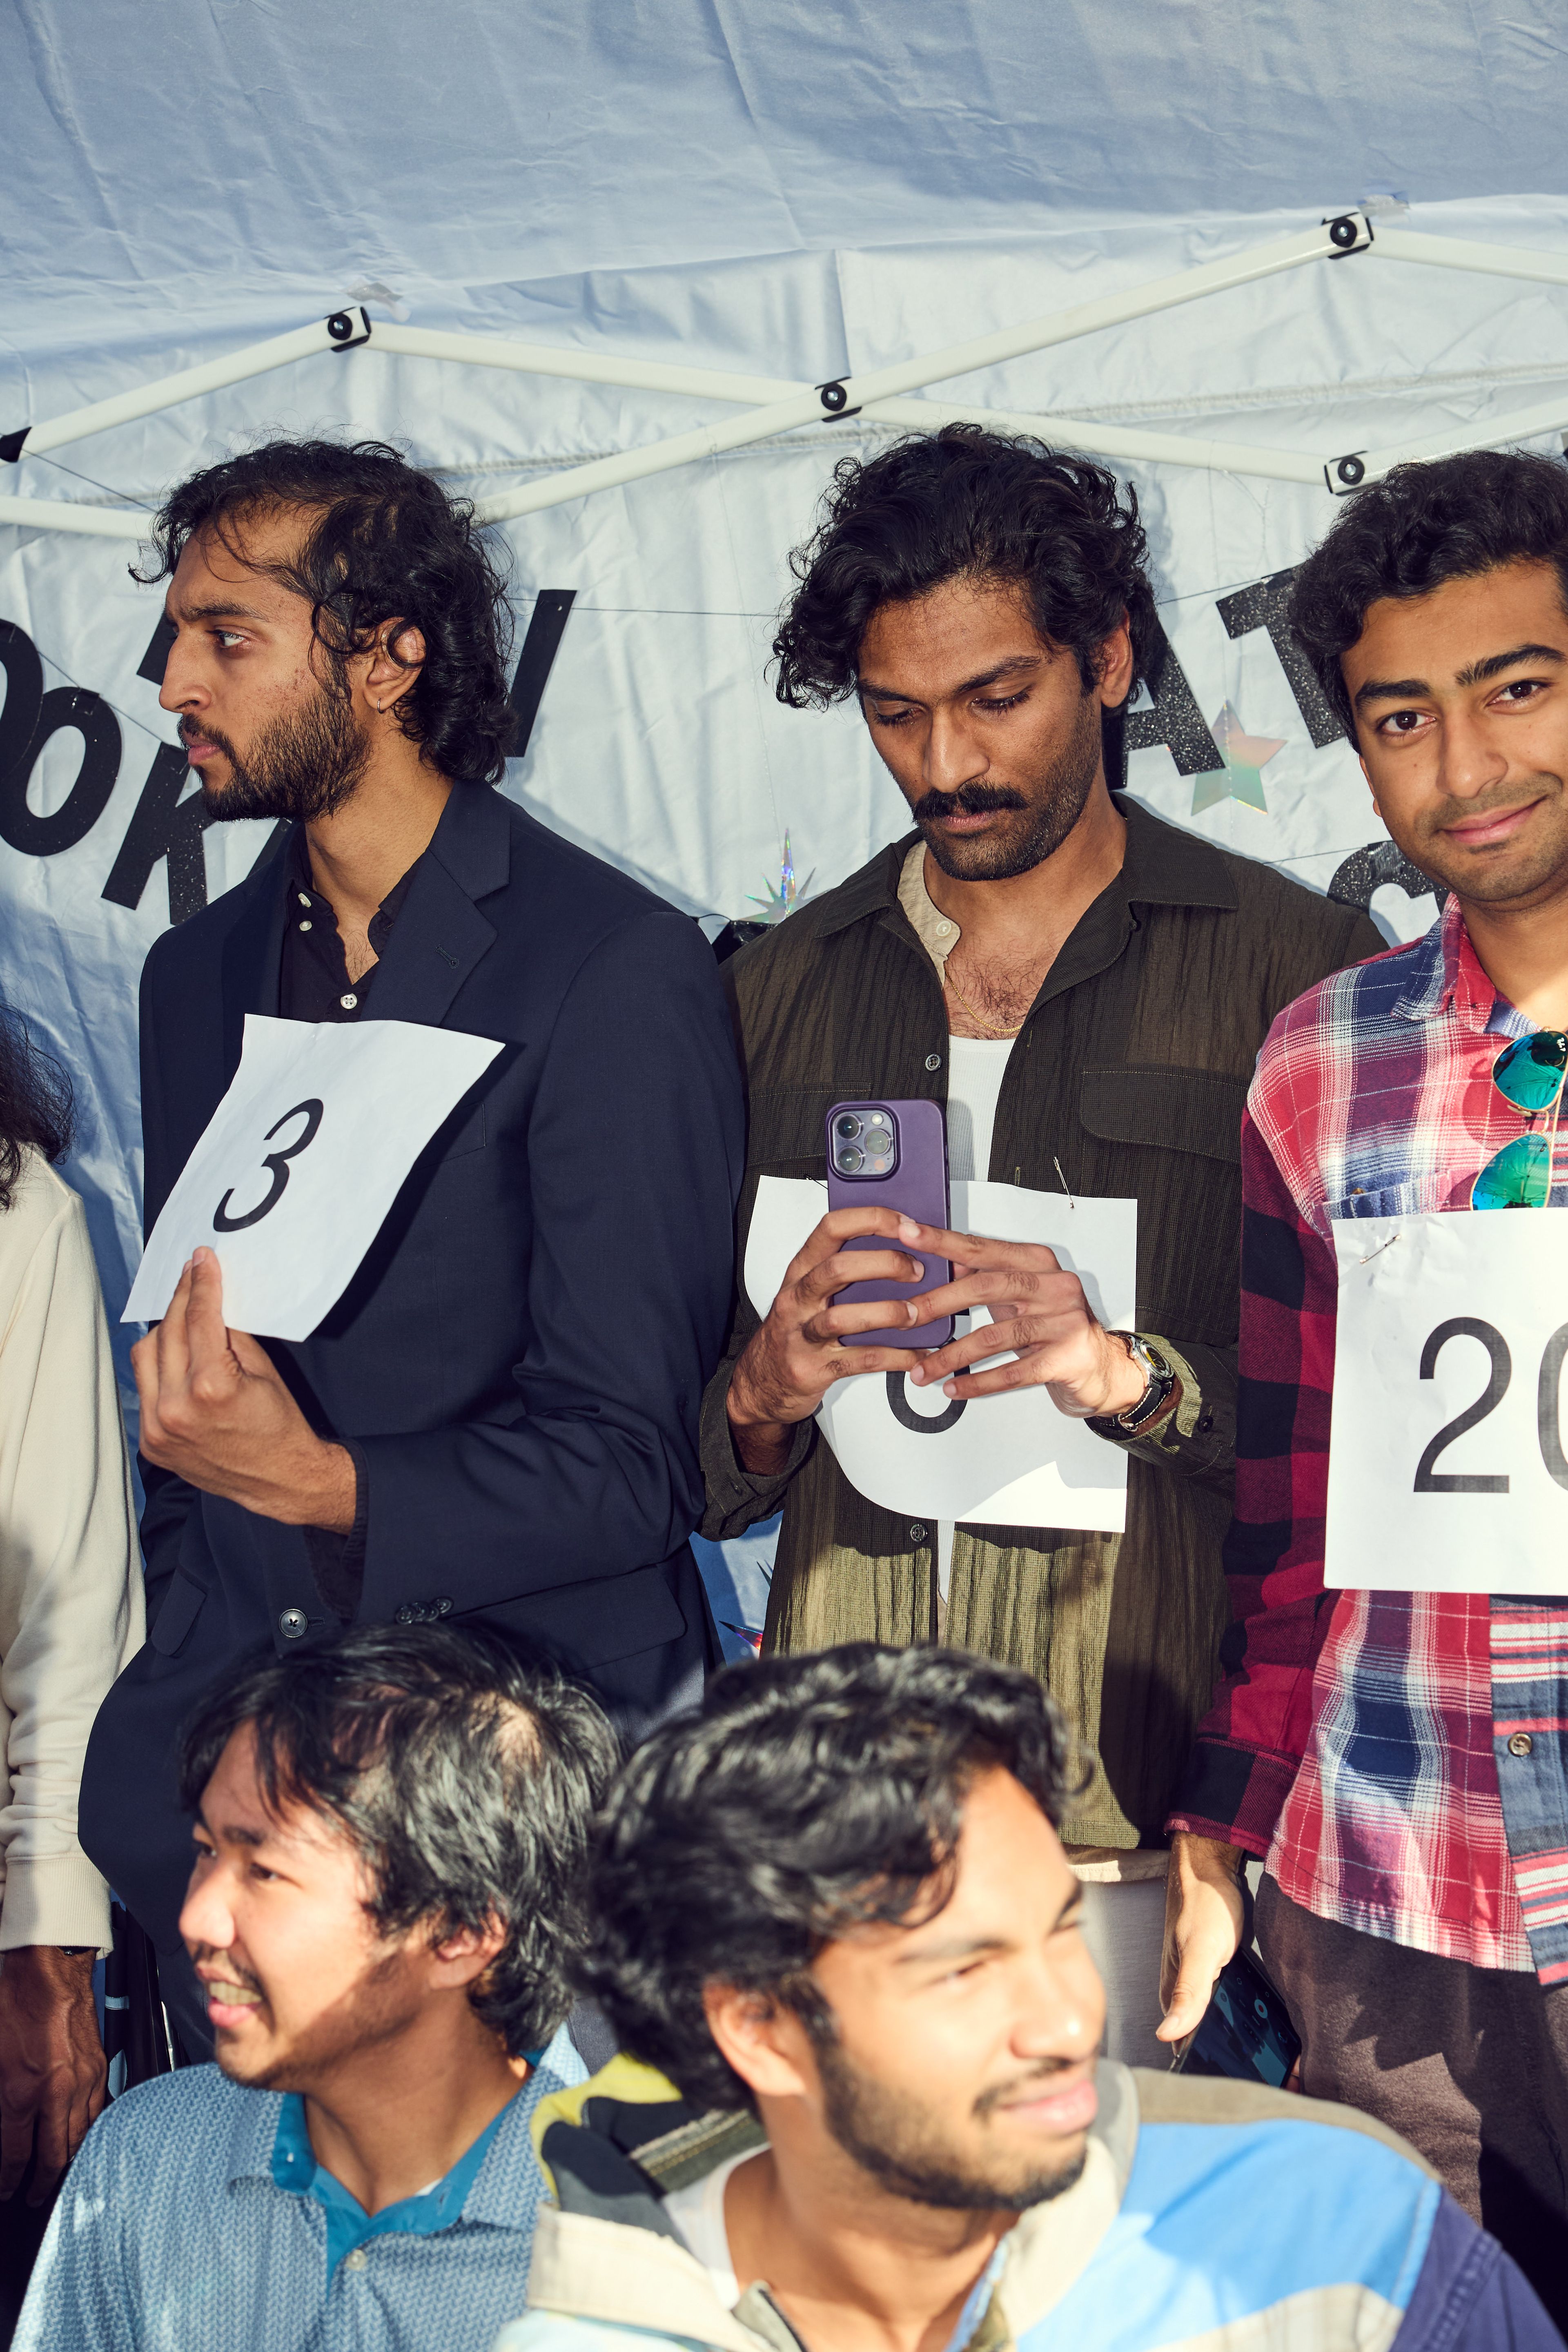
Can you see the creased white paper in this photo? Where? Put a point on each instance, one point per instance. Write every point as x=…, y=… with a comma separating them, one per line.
x=321, y=1125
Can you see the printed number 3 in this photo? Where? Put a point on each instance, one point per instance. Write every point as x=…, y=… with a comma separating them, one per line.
x=277, y=1165
x=1548, y=1396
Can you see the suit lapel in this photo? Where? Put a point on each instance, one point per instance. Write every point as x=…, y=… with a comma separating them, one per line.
x=440, y=935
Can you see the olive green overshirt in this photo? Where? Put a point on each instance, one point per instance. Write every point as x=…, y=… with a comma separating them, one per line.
x=1132, y=1070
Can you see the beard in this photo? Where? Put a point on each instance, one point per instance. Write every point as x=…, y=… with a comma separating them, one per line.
x=304, y=764
x=1048, y=814
x=893, y=2139
x=380, y=2007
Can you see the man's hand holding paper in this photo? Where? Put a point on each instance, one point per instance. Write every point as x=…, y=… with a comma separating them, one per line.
x=216, y=1410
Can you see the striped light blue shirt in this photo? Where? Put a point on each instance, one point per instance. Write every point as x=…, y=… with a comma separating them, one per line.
x=173, y=2234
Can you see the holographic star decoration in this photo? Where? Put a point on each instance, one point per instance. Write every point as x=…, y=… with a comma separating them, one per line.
x=1245, y=756
x=778, y=903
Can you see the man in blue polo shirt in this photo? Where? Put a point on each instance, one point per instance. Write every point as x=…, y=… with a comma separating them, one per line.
x=389, y=1836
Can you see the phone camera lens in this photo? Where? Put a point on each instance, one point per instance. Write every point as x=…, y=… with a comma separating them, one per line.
x=878, y=1142
x=848, y=1126
x=849, y=1158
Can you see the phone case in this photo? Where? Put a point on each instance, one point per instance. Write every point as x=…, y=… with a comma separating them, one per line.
x=1245, y=2032
x=916, y=1186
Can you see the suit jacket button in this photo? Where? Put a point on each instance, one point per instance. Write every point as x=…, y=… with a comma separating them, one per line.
x=1521, y=1744
x=291, y=1623
x=402, y=1616
x=442, y=1607
x=917, y=1532
x=933, y=1061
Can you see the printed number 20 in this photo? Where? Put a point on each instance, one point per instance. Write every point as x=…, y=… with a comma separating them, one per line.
x=1547, y=1389
x=277, y=1166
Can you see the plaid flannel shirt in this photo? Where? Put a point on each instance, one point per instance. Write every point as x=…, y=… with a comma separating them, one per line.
x=1358, y=1741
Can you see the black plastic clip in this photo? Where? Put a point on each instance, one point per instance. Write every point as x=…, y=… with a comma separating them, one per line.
x=1346, y=473
x=341, y=328
x=11, y=444
x=834, y=398
x=1347, y=232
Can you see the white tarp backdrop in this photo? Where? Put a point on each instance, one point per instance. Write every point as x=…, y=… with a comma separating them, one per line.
x=780, y=190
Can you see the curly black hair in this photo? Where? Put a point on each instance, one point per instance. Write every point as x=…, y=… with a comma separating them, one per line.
x=36, y=1103
x=811, y=1794
x=963, y=503
x=1425, y=523
x=466, y=1774
x=384, y=543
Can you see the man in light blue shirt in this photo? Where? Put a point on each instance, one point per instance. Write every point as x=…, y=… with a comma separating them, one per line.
x=389, y=1839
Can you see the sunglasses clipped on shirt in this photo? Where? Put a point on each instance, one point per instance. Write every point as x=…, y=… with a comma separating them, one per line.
x=1528, y=1074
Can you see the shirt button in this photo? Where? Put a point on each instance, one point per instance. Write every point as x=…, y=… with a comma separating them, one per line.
x=291, y=1623
x=942, y=930
x=357, y=2260
x=348, y=1001
x=917, y=1532
x=304, y=901
x=1521, y=1744
x=304, y=926
x=933, y=1061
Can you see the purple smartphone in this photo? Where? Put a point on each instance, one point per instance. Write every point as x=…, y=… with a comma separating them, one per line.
x=892, y=1155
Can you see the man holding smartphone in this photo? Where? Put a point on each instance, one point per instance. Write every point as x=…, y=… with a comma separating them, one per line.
x=1084, y=988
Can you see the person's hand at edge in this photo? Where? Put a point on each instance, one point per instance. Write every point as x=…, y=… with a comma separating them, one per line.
x=53, y=2073
x=1204, y=1910
x=215, y=1410
x=793, y=1359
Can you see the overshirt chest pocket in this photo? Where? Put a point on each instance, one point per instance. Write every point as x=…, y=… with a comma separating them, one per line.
x=1178, y=1109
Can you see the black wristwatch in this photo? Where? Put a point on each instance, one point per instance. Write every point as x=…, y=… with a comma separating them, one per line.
x=1160, y=1377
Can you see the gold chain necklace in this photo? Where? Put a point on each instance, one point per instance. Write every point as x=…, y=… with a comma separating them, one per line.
x=997, y=1032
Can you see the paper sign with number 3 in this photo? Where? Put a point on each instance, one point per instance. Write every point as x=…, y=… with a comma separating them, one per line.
x=301, y=1162
x=1447, y=1466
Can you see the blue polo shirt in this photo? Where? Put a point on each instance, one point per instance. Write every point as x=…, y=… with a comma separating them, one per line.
x=181, y=2224
x=294, y=2166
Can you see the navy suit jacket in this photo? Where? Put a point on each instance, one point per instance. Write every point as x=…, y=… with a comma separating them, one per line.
x=522, y=1353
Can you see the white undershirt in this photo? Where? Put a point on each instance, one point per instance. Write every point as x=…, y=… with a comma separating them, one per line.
x=697, y=2213
x=976, y=1068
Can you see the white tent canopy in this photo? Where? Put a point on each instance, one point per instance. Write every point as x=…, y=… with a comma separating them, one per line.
x=787, y=198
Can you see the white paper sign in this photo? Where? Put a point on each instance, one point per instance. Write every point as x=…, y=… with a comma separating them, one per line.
x=301, y=1162
x=1000, y=1461
x=1446, y=1468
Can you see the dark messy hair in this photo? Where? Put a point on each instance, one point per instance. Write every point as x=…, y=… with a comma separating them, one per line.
x=963, y=503
x=811, y=1794
x=383, y=542
x=36, y=1103
x=466, y=1776
x=1449, y=519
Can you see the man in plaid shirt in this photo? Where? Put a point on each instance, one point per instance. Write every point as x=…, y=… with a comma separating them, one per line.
x=1397, y=1759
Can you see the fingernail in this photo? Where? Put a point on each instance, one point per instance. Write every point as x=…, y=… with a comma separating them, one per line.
x=908, y=1230
x=950, y=1388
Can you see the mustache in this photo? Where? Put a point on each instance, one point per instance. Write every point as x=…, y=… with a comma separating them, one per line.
x=969, y=800
x=1001, y=2094
x=189, y=732
x=209, y=1955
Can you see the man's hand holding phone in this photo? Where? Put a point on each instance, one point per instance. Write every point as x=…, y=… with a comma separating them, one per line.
x=1041, y=1313
x=790, y=1361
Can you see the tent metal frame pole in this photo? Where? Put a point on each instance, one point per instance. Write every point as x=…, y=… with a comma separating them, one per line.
x=848, y=393
x=779, y=406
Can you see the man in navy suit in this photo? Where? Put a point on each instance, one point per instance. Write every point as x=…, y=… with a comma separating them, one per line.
x=497, y=1420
